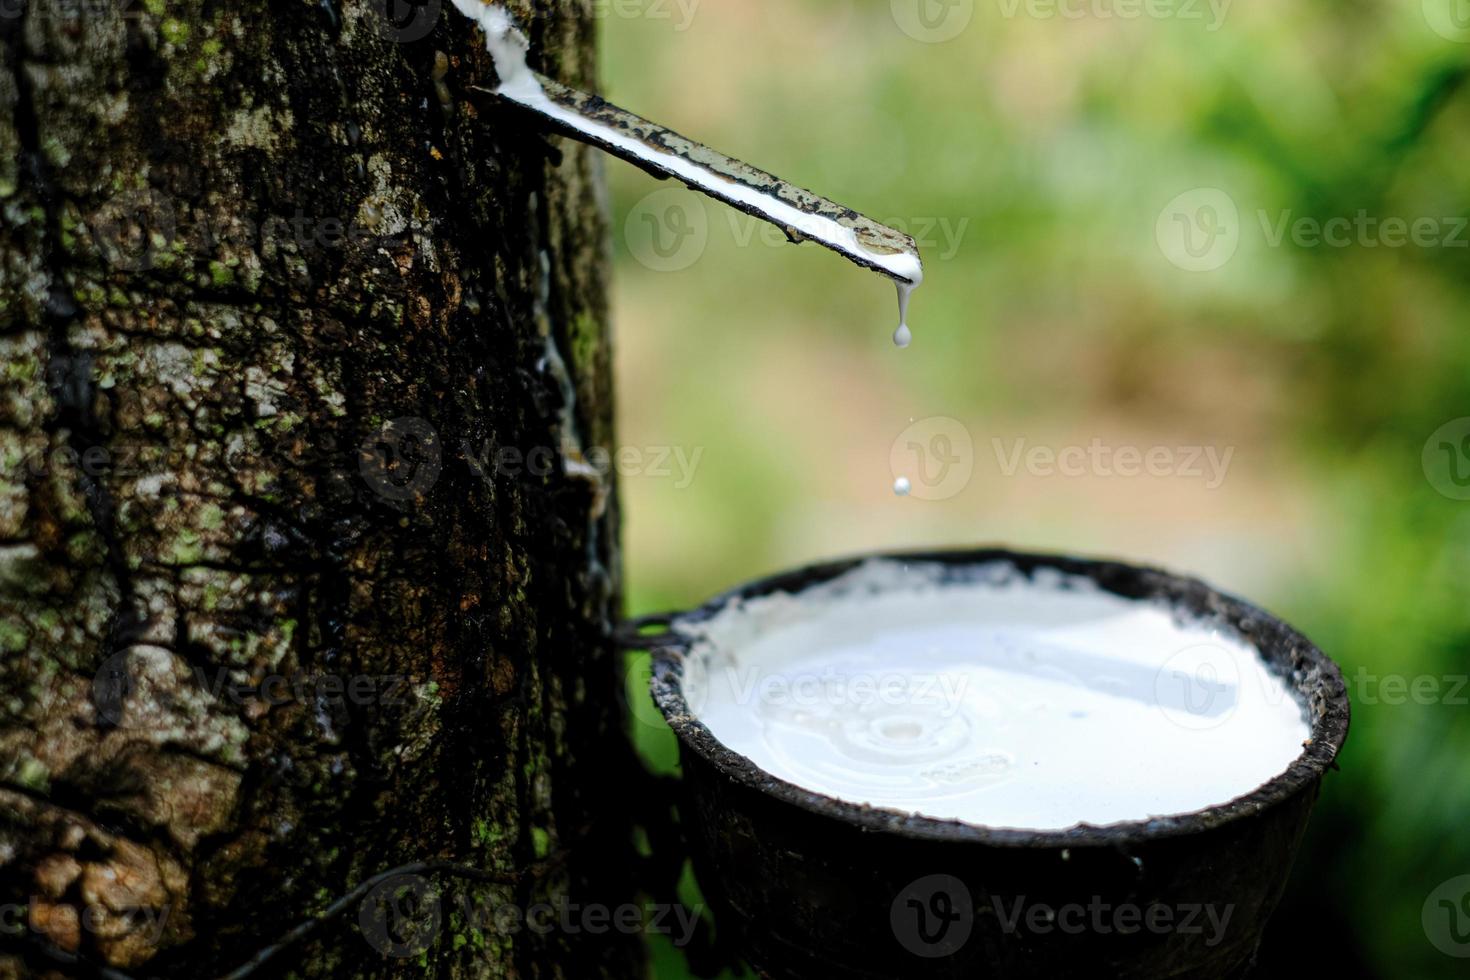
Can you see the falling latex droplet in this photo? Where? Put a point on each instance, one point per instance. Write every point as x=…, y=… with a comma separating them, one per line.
x=903, y=336
x=901, y=485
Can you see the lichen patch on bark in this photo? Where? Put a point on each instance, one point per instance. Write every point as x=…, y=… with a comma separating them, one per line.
x=265, y=629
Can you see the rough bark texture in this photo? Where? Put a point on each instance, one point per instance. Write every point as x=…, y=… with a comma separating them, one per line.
x=302, y=340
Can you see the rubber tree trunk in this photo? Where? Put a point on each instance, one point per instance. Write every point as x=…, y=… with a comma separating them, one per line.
x=304, y=573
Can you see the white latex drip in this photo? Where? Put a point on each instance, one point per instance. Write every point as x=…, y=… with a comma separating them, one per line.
x=903, y=336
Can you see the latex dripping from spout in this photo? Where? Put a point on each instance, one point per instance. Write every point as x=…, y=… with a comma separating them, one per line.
x=652, y=147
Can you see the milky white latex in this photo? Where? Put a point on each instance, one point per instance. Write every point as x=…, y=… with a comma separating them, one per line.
x=1004, y=702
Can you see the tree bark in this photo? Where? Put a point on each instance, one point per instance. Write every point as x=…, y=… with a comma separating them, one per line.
x=303, y=571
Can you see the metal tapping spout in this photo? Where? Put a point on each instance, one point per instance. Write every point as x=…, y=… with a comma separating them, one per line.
x=801, y=214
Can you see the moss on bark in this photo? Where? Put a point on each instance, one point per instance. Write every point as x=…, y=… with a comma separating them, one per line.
x=281, y=304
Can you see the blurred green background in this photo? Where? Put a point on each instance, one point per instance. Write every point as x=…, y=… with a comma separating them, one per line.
x=1117, y=215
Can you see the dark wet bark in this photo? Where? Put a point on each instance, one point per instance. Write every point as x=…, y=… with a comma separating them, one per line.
x=301, y=342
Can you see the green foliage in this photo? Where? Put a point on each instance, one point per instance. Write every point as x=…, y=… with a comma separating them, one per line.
x=1052, y=312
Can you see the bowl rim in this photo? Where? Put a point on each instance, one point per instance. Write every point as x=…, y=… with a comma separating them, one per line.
x=1312, y=675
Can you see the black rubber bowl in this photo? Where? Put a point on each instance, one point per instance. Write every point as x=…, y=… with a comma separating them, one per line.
x=814, y=887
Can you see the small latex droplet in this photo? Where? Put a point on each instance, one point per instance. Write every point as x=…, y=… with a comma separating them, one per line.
x=901, y=486
x=903, y=336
